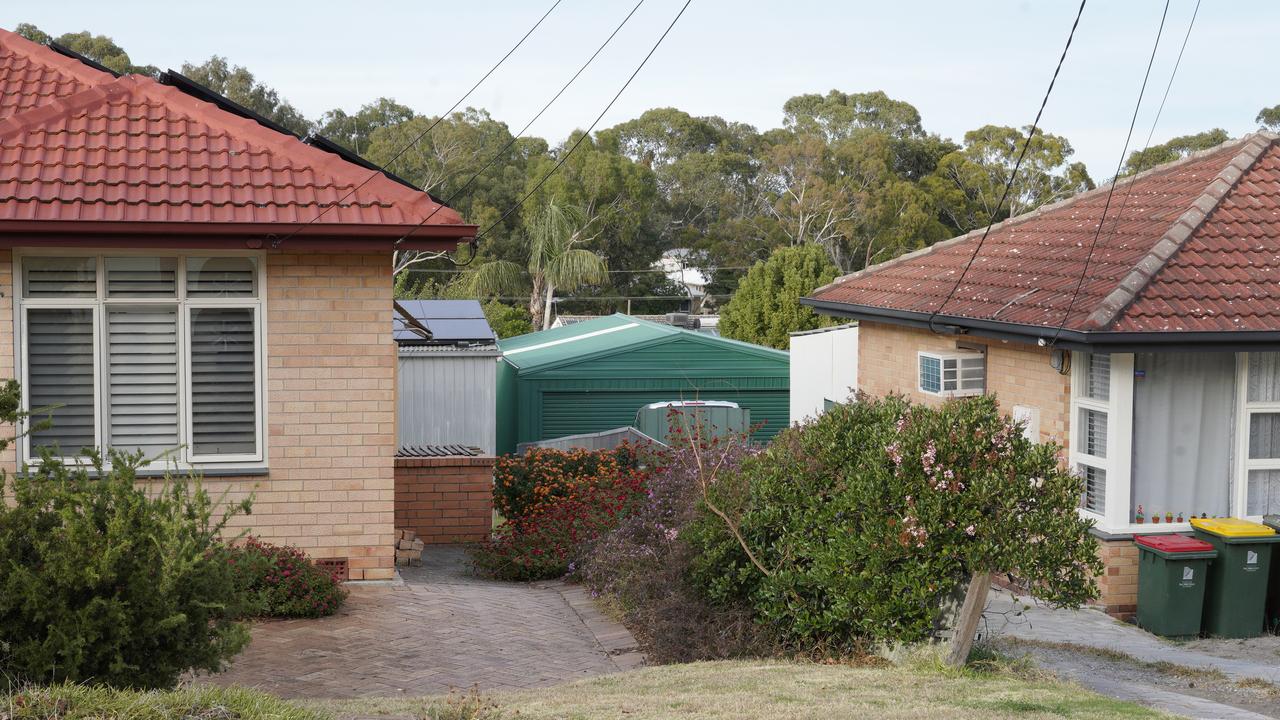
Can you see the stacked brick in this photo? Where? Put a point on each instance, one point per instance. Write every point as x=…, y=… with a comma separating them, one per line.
x=1118, y=584
x=408, y=547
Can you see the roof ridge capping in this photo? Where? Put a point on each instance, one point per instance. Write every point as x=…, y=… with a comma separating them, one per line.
x=1254, y=146
x=1037, y=212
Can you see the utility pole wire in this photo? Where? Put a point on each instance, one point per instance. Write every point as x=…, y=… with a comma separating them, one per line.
x=1009, y=184
x=1075, y=294
x=524, y=129
x=422, y=134
x=563, y=158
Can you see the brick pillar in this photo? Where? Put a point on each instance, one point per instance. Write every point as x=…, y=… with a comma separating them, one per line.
x=445, y=499
x=1118, y=584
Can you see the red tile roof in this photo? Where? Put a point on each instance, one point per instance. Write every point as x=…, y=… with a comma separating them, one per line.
x=1191, y=246
x=83, y=151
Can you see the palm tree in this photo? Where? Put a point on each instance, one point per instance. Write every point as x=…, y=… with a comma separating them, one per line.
x=555, y=263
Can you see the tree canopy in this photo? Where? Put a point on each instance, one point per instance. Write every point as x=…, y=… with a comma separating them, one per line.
x=766, y=308
x=857, y=175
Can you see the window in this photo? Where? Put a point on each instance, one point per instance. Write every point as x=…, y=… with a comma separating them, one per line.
x=954, y=374
x=1260, y=433
x=144, y=353
x=1091, y=414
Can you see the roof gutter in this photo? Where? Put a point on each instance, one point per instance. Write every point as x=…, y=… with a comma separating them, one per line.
x=1094, y=341
x=326, y=236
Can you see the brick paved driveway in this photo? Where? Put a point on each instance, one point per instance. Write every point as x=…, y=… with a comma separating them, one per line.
x=443, y=629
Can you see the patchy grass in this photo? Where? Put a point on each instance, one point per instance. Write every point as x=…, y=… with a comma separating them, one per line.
x=802, y=691
x=82, y=702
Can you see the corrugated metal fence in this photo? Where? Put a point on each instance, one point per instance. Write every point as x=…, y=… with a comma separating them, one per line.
x=446, y=395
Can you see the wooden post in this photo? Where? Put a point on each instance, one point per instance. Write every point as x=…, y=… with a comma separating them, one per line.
x=975, y=601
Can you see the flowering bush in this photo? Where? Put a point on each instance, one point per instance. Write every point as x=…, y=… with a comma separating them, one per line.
x=283, y=582
x=556, y=504
x=642, y=565
x=527, y=485
x=865, y=519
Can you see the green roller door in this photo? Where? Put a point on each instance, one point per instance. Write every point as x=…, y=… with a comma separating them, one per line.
x=573, y=413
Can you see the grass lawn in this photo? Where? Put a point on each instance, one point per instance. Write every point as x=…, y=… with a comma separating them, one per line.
x=736, y=690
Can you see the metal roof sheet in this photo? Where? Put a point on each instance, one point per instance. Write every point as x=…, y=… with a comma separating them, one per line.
x=605, y=335
x=430, y=451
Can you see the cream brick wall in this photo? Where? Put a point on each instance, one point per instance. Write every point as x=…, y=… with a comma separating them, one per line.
x=1018, y=374
x=330, y=403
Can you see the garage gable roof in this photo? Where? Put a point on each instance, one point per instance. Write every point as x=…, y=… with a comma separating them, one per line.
x=605, y=336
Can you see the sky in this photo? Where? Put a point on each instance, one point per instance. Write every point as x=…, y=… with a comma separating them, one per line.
x=962, y=64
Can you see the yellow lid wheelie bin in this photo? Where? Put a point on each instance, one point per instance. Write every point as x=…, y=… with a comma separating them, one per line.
x=1236, y=597
x=1273, y=593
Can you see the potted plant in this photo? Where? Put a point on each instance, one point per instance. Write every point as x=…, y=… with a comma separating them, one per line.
x=1138, y=517
x=1155, y=518
x=1180, y=518
x=1168, y=517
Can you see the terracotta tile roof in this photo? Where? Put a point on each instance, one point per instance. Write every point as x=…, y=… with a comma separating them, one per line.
x=81, y=149
x=1196, y=248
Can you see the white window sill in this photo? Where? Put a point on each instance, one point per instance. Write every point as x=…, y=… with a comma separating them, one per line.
x=208, y=471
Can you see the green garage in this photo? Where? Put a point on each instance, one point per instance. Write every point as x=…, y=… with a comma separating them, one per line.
x=594, y=375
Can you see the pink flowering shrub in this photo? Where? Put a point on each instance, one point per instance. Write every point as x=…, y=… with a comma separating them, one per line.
x=282, y=581
x=863, y=521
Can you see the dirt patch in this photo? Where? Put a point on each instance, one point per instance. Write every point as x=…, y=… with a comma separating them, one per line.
x=1255, y=695
x=1265, y=649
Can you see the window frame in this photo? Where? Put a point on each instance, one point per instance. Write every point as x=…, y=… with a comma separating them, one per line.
x=942, y=358
x=1118, y=463
x=100, y=305
x=1245, y=410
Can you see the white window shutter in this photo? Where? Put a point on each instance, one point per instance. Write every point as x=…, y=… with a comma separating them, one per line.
x=60, y=373
x=142, y=378
x=223, y=381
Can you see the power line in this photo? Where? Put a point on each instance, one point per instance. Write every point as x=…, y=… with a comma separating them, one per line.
x=1115, y=178
x=422, y=134
x=1160, y=110
x=524, y=129
x=1018, y=164
x=564, y=157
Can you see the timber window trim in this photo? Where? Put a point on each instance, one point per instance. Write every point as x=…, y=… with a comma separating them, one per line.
x=951, y=374
x=243, y=289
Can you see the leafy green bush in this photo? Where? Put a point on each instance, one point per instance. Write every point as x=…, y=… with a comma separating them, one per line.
x=283, y=582
x=105, y=581
x=863, y=520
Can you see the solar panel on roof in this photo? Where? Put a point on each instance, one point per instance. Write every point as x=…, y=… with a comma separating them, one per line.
x=448, y=321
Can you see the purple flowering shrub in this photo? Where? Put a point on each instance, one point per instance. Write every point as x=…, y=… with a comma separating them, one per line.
x=282, y=581
x=863, y=520
x=643, y=564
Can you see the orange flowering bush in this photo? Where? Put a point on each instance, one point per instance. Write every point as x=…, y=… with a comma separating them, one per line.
x=556, y=504
x=527, y=485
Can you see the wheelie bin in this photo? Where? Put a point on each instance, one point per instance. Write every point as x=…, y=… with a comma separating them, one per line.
x=1172, y=574
x=1236, y=598
x=1273, y=595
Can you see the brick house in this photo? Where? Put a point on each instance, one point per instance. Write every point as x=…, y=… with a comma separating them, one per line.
x=1163, y=383
x=152, y=287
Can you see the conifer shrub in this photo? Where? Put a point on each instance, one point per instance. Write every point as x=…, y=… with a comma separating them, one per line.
x=107, y=579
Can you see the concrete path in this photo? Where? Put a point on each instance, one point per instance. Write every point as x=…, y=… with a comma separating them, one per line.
x=442, y=629
x=1006, y=617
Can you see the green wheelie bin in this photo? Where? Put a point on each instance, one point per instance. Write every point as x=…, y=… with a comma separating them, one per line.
x=1236, y=600
x=1273, y=595
x=1172, y=573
